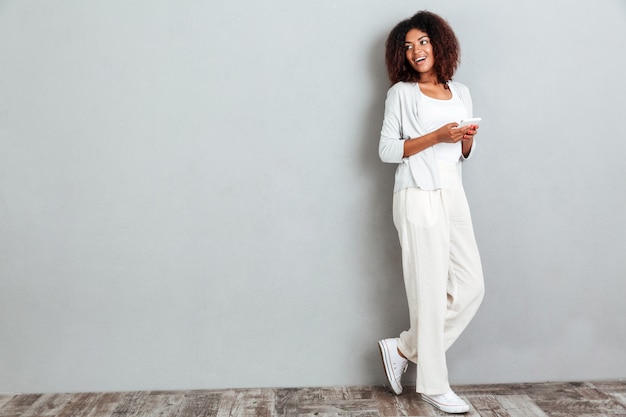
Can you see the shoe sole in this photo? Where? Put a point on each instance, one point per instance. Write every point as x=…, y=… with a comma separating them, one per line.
x=451, y=409
x=384, y=353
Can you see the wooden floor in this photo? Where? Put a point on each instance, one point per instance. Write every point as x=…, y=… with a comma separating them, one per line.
x=589, y=399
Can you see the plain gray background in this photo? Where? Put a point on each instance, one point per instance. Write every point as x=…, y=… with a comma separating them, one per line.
x=191, y=195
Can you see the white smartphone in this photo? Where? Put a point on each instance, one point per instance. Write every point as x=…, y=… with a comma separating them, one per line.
x=472, y=121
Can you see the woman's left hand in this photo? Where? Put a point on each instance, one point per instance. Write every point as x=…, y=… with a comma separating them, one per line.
x=468, y=140
x=470, y=132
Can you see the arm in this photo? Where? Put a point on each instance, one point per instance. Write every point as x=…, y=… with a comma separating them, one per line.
x=446, y=133
x=467, y=146
x=466, y=97
x=390, y=146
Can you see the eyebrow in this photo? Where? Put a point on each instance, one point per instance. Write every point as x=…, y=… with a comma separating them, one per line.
x=419, y=39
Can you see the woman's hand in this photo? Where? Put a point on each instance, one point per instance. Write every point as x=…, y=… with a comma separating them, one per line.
x=450, y=133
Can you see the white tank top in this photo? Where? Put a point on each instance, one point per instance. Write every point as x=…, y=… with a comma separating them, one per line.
x=436, y=113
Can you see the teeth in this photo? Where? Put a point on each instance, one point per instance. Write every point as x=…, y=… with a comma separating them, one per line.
x=420, y=59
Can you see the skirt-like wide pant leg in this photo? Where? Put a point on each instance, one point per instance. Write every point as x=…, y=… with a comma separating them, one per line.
x=442, y=274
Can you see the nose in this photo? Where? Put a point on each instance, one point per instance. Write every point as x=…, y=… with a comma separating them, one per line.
x=417, y=49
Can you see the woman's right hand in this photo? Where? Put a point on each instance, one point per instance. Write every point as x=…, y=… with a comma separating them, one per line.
x=450, y=133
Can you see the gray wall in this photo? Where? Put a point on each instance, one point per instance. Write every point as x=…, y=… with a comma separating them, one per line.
x=191, y=195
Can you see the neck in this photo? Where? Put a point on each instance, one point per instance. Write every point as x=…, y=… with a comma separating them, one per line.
x=428, y=79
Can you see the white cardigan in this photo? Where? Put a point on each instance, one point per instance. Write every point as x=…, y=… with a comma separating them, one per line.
x=402, y=121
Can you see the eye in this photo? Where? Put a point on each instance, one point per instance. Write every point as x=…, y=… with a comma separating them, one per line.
x=424, y=42
x=408, y=47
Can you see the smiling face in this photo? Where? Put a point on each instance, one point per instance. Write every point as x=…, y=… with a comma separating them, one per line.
x=419, y=52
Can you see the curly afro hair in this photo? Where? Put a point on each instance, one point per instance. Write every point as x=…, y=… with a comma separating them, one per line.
x=445, y=46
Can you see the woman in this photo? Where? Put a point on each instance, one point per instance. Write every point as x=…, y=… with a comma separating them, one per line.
x=441, y=264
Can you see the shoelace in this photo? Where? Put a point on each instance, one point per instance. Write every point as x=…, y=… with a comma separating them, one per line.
x=404, y=368
x=451, y=397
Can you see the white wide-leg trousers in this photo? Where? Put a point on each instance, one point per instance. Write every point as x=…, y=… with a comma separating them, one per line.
x=442, y=274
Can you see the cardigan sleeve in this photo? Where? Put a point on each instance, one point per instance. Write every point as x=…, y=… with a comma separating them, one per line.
x=466, y=98
x=391, y=144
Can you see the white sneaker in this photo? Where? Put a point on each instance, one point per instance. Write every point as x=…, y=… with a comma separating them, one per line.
x=394, y=364
x=449, y=402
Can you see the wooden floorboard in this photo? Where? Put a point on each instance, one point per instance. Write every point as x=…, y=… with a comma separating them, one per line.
x=556, y=399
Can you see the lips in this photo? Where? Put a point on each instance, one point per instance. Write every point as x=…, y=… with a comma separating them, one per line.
x=420, y=59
